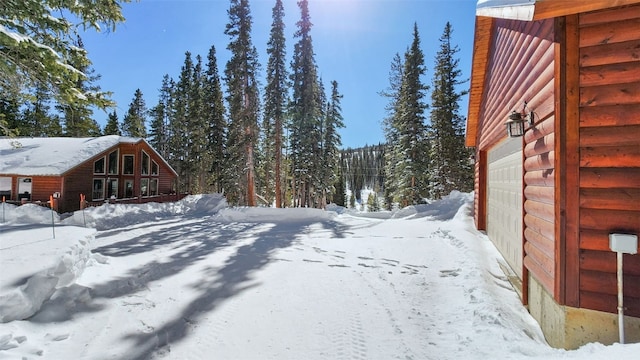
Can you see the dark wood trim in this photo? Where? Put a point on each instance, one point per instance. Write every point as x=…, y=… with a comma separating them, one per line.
x=559, y=162
x=567, y=160
x=572, y=158
x=548, y=9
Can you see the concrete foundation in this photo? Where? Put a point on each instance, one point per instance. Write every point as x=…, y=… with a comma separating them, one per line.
x=569, y=328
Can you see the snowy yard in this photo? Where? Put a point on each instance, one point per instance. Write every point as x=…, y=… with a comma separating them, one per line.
x=199, y=280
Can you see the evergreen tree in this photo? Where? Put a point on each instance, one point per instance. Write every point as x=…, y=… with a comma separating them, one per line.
x=339, y=197
x=78, y=121
x=306, y=114
x=411, y=146
x=276, y=94
x=178, y=126
x=244, y=103
x=372, y=202
x=51, y=59
x=10, y=117
x=331, y=143
x=112, y=127
x=215, y=121
x=364, y=168
x=449, y=167
x=134, y=122
x=352, y=200
x=37, y=121
x=199, y=160
x=160, y=116
x=391, y=127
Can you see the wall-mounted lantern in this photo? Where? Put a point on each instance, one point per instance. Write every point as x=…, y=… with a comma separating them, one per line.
x=515, y=124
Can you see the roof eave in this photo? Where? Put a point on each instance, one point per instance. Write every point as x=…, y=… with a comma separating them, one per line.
x=481, y=47
x=523, y=12
x=528, y=10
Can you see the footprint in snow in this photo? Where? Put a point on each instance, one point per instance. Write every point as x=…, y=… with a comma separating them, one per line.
x=449, y=273
x=312, y=261
x=367, y=266
x=56, y=337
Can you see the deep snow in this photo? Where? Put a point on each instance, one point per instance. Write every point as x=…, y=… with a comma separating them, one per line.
x=199, y=280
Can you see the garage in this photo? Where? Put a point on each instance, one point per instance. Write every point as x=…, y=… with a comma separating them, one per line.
x=504, y=201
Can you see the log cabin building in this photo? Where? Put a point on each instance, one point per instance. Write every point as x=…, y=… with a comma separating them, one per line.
x=549, y=199
x=108, y=168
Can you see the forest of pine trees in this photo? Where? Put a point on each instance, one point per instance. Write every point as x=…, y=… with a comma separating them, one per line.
x=278, y=143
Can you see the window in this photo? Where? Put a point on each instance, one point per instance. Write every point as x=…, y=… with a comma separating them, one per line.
x=144, y=187
x=5, y=188
x=98, y=189
x=127, y=164
x=153, y=187
x=112, y=188
x=113, y=163
x=154, y=168
x=24, y=188
x=98, y=166
x=144, y=164
x=128, y=189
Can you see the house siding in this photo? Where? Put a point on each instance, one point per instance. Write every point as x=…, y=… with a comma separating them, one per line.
x=521, y=68
x=609, y=146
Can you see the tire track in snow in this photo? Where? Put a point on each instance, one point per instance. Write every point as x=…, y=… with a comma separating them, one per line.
x=348, y=335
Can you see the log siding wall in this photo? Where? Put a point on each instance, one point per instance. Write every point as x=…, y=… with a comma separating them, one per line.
x=521, y=68
x=609, y=161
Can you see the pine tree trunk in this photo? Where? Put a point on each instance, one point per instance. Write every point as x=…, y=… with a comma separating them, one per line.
x=278, y=148
x=251, y=191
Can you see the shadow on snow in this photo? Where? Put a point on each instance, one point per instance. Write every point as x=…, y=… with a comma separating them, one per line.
x=193, y=242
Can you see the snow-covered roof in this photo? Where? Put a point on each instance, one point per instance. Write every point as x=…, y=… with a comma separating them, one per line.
x=510, y=9
x=527, y=10
x=52, y=155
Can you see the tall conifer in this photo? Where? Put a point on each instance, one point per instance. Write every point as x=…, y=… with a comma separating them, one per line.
x=243, y=100
x=331, y=143
x=159, y=134
x=112, y=127
x=306, y=113
x=199, y=161
x=134, y=123
x=215, y=122
x=179, y=124
x=412, y=161
x=392, y=130
x=449, y=167
x=276, y=96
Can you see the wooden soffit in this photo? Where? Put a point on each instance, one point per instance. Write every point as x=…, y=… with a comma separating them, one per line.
x=481, y=46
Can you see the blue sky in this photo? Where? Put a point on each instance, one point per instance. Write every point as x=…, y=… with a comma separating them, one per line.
x=354, y=41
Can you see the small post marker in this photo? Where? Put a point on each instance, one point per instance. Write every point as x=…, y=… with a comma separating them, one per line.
x=53, y=224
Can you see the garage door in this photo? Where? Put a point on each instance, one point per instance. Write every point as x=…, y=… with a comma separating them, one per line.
x=504, y=194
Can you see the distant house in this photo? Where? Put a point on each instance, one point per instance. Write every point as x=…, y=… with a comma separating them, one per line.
x=108, y=168
x=550, y=198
